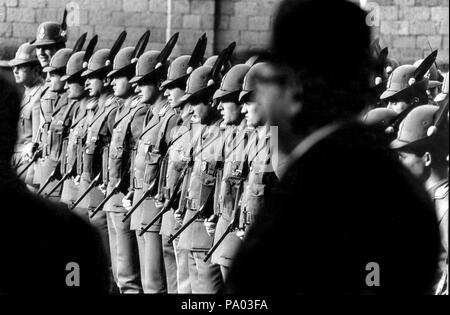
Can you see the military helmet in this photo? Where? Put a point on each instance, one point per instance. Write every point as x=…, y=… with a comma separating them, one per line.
x=211, y=61
x=74, y=66
x=249, y=83
x=199, y=85
x=434, y=77
x=122, y=62
x=59, y=60
x=146, y=70
x=178, y=72
x=50, y=33
x=231, y=84
x=401, y=83
x=444, y=94
x=97, y=65
x=413, y=131
x=24, y=55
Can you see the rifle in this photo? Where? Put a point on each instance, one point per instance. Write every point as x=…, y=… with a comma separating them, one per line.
x=171, y=201
x=141, y=200
x=197, y=215
x=235, y=222
x=91, y=186
x=35, y=157
x=61, y=181
x=50, y=178
x=104, y=201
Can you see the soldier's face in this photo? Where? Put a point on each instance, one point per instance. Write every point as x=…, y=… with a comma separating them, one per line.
x=231, y=112
x=75, y=90
x=24, y=74
x=277, y=95
x=416, y=164
x=173, y=96
x=56, y=85
x=148, y=92
x=200, y=113
x=253, y=114
x=45, y=54
x=94, y=86
x=121, y=86
x=397, y=106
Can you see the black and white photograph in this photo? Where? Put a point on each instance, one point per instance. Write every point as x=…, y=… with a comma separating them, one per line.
x=224, y=155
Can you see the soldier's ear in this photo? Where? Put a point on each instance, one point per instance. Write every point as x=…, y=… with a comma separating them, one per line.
x=107, y=81
x=415, y=100
x=427, y=159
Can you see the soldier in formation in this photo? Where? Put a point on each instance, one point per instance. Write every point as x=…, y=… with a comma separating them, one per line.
x=174, y=160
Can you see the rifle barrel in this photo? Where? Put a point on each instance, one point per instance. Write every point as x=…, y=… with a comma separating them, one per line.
x=90, y=187
x=184, y=227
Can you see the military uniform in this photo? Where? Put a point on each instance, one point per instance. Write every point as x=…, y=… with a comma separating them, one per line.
x=423, y=131
x=235, y=169
x=72, y=159
x=207, y=159
x=180, y=144
x=25, y=132
x=151, y=149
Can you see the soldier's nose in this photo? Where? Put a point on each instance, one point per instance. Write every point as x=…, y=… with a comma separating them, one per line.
x=244, y=108
x=166, y=93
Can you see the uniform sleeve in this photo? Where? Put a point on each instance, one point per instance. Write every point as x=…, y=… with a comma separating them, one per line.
x=36, y=117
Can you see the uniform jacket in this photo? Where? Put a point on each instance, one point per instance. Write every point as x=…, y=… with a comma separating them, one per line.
x=150, y=151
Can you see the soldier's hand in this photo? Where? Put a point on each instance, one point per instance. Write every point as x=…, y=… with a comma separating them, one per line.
x=103, y=188
x=27, y=152
x=127, y=201
x=158, y=203
x=76, y=180
x=240, y=233
x=210, y=227
x=178, y=216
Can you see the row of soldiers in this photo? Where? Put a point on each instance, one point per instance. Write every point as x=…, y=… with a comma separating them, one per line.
x=172, y=160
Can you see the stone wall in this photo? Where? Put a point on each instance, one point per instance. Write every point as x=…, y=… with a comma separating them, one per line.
x=408, y=27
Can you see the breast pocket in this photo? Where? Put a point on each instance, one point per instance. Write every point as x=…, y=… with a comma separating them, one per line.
x=151, y=166
x=255, y=200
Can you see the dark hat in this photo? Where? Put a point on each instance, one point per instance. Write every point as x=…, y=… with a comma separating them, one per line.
x=232, y=82
x=146, y=70
x=199, y=85
x=249, y=83
x=59, y=60
x=74, y=66
x=97, y=65
x=177, y=72
x=414, y=128
x=50, y=33
x=123, y=62
x=24, y=55
x=402, y=83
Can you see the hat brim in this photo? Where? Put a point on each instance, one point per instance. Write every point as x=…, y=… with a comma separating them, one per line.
x=153, y=76
x=121, y=72
x=167, y=84
x=47, y=42
x=75, y=75
x=414, y=146
x=440, y=97
x=193, y=97
x=245, y=95
x=19, y=62
x=102, y=72
x=434, y=84
x=390, y=94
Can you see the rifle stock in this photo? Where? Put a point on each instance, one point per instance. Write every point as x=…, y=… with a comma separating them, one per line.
x=104, y=201
x=90, y=187
x=170, y=202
